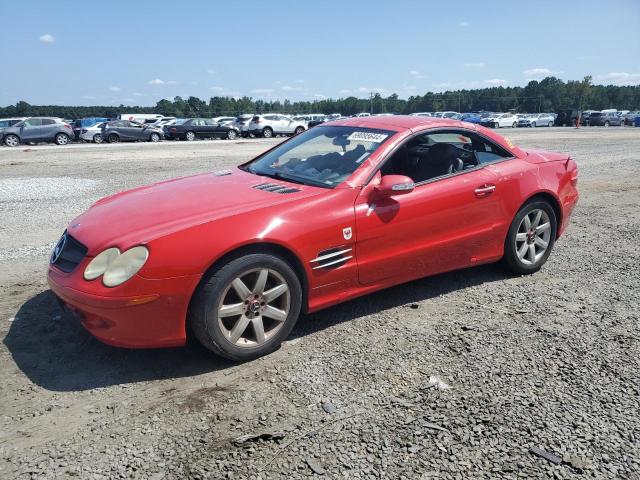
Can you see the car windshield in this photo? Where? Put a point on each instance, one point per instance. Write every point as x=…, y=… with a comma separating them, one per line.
x=324, y=156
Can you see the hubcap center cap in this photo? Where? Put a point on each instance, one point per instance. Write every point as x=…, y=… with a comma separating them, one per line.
x=254, y=306
x=531, y=236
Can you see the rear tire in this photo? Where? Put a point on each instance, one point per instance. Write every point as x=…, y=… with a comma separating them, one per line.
x=524, y=248
x=298, y=131
x=61, y=139
x=533, y=124
x=514, y=124
x=113, y=138
x=267, y=132
x=11, y=140
x=232, y=135
x=606, y=124
x=247, y=329
x=550, y=124
x=97, y=138
x=154, y=137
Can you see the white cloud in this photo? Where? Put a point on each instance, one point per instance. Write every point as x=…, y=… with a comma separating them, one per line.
x=171, y=82
x=416, y=74
x=156, y=81
x=289, y=88
x=463, y=24
x=127, y=100
x=619, y=78
x=88, y=97
x=262, y=91
x=47, y=38
x=138, y=94
x=319, y=96
x=217, y=89
x=538, y=73
x=371, y=90
x=114, y=89
x=346, y=91
x=474, y=65
x=494, y=82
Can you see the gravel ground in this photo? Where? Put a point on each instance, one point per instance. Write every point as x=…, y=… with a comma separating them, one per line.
x=454, y=376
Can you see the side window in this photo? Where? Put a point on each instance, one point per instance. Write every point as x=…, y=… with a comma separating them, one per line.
x=209, y=122
x=47, y=121
x=441, y=153
x=33, y=122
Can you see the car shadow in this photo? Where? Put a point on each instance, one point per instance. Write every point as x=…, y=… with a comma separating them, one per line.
x=56, y=353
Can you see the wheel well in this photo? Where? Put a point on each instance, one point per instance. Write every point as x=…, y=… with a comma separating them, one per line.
x=553, y=201
x=268, y=248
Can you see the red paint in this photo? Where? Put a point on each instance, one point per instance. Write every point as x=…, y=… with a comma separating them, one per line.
x=189, y=223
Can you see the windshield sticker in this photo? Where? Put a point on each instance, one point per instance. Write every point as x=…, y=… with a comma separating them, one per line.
x=367, y=137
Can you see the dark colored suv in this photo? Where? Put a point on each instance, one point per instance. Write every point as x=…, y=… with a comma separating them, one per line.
x=604, y=119
x=567, y=118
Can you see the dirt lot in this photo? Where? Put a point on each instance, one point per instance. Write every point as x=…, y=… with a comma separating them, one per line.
x=550, y=360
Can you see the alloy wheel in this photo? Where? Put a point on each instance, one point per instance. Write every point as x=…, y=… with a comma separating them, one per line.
x=249, y=317
x=190, y=136
x=533, y=236
x=62, y=139
x=11, y=141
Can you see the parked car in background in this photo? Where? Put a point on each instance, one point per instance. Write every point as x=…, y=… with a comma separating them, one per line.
x=422, y=114
x=224, y=120
x=584, y=116
x=128, y=131
x=242, y=124
x=363, y=114
x=87, y=122
x=605, y=119
x=140, y=117
x=37, y=129
x=536, y=120
x=499, y=120
x=10, y=122
x=192, y=128
x=630, y=118
x=272, y=124
x=92, y=133
x=567, y=118
x=470, y=117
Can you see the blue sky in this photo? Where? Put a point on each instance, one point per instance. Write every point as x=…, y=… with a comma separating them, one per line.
x=137, y=52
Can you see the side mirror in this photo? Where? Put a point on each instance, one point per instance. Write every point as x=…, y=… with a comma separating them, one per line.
x=391, y=185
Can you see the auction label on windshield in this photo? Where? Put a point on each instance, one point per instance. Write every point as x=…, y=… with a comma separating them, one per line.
x=367, y=137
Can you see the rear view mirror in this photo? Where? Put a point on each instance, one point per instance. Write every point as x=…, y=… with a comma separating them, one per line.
x=391, y=185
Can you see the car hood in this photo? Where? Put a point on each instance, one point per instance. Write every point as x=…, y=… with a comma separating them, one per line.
x=140, y=215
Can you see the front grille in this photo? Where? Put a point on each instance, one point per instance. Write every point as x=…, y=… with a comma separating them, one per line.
x=332, y=258
x=275, y=188
x=68, y=253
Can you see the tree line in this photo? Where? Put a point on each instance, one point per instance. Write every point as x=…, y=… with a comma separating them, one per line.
x=548, y=95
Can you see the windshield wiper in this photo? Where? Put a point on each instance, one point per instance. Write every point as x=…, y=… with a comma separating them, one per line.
x=290, y=178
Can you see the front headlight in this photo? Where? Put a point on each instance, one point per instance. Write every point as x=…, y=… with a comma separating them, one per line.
x=116, y=268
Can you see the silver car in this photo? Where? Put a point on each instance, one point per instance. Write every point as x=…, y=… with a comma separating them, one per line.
x=92, y=133
x=128, y=131
x=37, y=129
x=272, y=124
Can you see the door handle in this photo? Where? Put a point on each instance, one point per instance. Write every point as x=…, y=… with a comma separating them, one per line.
x=484, y=190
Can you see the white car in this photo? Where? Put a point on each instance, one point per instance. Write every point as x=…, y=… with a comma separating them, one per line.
x=271, y=124
x=422, y=114
x=224, y=120
x=449, y=114
x=92, y=133
x=499, y=120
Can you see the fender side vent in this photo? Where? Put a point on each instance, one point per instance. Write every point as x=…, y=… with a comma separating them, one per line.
x=332, y=258
x=275, y=188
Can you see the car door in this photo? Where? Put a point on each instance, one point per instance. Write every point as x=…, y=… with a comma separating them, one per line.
x=286, y=124
x=31, y=130
x=445, y=223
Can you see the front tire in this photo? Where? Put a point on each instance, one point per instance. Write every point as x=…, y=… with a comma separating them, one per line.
x=533, y=124
x=113, y=138
x=531, y=237
x=154, y=137
x=298, y=131
x=11, y=140
x=61, y=139
x=267, y=132
x=190, y=136
x=606, y=124
x=97, y=138
x=550, y=124
x=246, y=308
x=232, y=135
x=514, y=124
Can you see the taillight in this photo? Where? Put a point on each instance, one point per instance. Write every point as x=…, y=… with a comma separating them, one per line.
x=66, y=125
x=173, y=129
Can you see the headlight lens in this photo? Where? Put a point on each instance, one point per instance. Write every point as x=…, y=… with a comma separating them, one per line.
x=114, y=267
x=100, y=263
x=125, y=266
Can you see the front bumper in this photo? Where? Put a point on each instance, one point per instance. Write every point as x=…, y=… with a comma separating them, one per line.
x=146, y=314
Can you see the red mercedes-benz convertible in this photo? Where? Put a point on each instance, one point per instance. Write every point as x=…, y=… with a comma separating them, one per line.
x=344, y=209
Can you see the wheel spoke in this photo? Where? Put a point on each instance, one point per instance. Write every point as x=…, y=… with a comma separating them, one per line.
x=270, y=295
x=239, y=328
x=261, y=282
x=240, y=288
x=543, y=228
x=536, y=221
x=527, y=222
x=275, y=313
x=258, y=329
x=522, y=250
x=231, y=310
x=532, y=253
x=541, y=243
x=521, y=237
